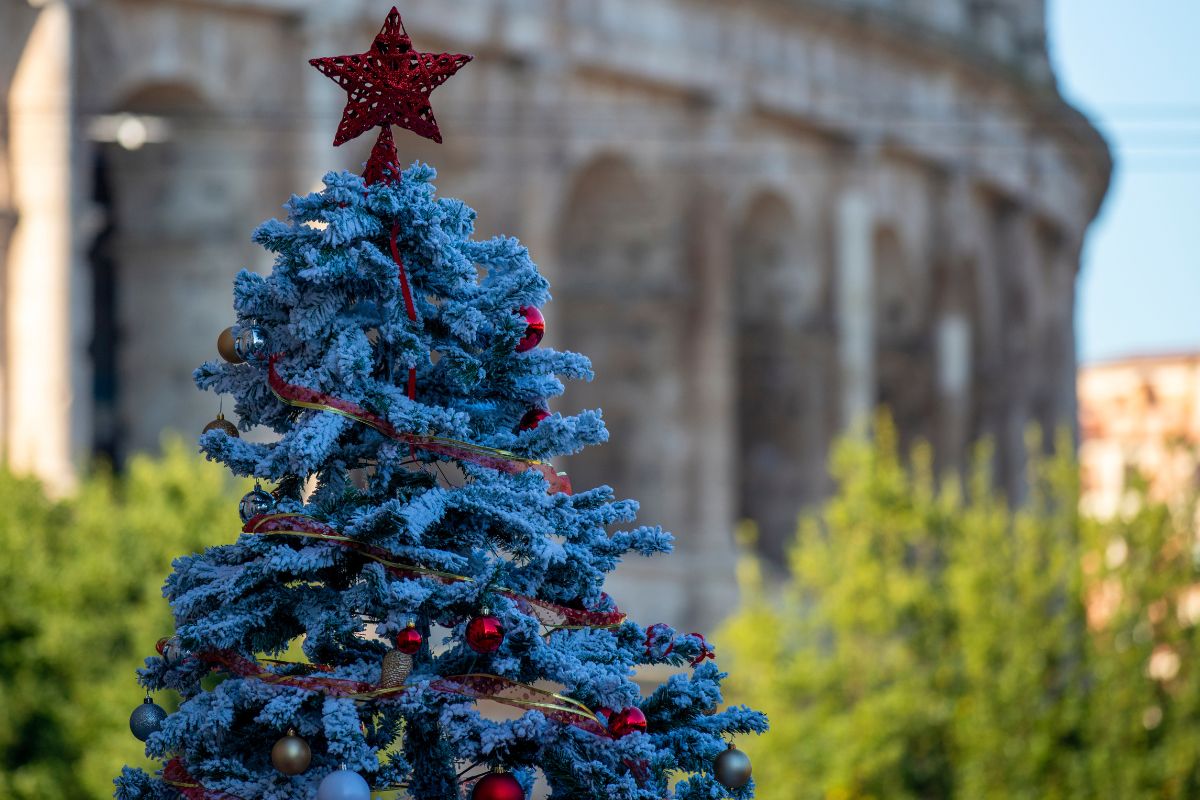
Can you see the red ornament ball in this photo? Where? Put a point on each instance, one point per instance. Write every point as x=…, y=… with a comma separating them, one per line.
x=408, y=641
x=533, y=417
x=485, y=634
x=626, y=722
x=535, y=328
x=497, y=786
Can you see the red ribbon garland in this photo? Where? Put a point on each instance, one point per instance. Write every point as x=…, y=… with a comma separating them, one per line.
x=384, y=167
x=176, y=775
x=499, y=460
x=550, y=614
x=705, y=650
x=554, y=707
x=408, y=303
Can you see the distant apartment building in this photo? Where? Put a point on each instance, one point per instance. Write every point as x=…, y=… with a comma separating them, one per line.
x=1138, y=416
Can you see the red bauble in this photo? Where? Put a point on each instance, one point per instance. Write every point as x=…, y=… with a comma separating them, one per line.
x=626, y=722
x=535, y=328
x=408, y=641
x=497, y=786
x=533, y=417
x=484, y=634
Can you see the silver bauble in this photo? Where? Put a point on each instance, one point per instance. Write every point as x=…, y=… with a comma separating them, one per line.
x=251, y=345
x=146, y=719
x=291, y=755
x=255, y=503
x=732, y=768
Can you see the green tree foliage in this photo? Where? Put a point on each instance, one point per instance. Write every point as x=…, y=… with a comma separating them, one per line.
x=81, y=604
x=936, y=643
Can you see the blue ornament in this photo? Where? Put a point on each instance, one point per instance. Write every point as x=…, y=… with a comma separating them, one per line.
x=251, y=344
x=146, y=719
x=254, y=503
x=344, y=785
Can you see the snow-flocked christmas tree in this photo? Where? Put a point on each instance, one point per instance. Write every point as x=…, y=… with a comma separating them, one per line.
x=419, y=560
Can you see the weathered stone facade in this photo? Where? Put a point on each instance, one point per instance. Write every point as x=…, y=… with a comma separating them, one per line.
x=761, y=219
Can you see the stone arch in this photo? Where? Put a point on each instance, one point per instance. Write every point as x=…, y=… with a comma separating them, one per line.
x=173, y=200
x=620, y=299
x=957, y=341
x=978, y=265
x=786, y=395
x=903, y=373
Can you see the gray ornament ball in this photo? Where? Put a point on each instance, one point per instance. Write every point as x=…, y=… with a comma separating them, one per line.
x=344, y=785
x=255, y=502
x=732, y=768
x=251, y=345
x=146, y=719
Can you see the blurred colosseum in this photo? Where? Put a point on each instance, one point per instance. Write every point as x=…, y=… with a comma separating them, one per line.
x=762, y=220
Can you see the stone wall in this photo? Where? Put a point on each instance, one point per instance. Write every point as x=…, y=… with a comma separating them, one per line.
x=761, y=220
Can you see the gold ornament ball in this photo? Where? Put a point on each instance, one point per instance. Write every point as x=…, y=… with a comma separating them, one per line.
x=396, y=669
x=291, y=755
x=225, y=346
x=222, y=424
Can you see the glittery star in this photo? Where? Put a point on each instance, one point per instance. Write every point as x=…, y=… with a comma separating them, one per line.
x=390, y=84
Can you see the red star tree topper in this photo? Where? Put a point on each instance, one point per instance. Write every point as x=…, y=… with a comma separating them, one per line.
x=389, y=85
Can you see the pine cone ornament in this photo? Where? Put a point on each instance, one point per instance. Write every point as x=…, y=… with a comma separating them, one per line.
x=396, y=668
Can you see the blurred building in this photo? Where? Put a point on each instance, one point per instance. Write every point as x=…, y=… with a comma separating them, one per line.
x=1139, y=419
x=762, y=219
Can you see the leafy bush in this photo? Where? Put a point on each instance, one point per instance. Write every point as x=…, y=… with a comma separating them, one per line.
x=81, y=607
x=935, y=643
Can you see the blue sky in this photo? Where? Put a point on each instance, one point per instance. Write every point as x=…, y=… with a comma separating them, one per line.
x=1134, y=67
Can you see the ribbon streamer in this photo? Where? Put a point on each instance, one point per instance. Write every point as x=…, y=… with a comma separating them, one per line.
x=662, y=628
x=556, y=707
x=552, y=615
x=409, y=307
x=490, y=457
x=244, y=667
x=175, y=774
